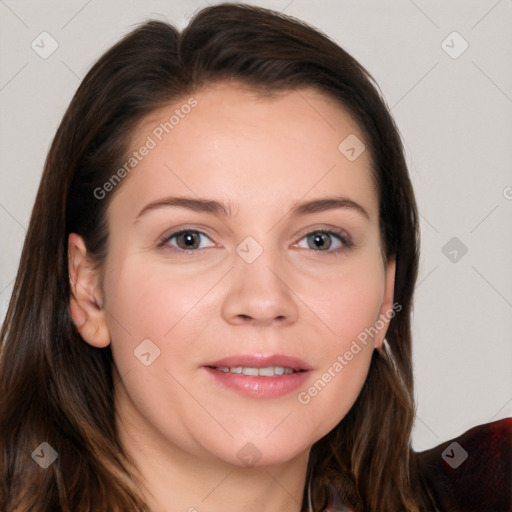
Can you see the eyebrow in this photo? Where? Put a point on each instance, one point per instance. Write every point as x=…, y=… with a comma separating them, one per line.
x=220, y=209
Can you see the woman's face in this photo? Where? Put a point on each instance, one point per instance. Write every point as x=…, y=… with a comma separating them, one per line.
x=251, y=284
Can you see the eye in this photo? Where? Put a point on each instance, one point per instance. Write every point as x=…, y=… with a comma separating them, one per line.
x=187, y=240
x=320, y=240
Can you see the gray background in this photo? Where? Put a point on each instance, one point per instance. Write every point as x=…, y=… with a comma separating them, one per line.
x=454, y=113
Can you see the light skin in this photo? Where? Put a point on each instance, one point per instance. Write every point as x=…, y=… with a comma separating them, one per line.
x=260, y=156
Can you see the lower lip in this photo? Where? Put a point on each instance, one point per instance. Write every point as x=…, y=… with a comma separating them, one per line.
x=259, y=387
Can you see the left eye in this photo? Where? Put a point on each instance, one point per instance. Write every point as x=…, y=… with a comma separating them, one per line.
x=320, y=241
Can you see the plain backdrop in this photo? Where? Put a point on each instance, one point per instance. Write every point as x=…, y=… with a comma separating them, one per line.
x=444, y=68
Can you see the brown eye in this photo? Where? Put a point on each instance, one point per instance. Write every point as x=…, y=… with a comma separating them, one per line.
x=188, y=240
x=185, y=240
x=319, y=241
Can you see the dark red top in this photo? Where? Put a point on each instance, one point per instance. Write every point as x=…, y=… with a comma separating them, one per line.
x=473, y=472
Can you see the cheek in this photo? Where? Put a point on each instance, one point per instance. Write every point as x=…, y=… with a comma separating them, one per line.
x=329, y=397
x=349, y=301
x=151, y=301
x=350, y=309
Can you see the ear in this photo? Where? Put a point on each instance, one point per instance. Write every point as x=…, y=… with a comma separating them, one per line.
x=85, y=301
x=387, y=310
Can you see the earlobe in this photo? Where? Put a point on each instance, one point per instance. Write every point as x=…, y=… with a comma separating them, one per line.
x=85, y=299
x=387, y=310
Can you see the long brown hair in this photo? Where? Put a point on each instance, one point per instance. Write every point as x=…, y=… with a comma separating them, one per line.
x=56, y=388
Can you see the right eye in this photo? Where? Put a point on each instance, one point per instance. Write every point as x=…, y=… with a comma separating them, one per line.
x=186, y=240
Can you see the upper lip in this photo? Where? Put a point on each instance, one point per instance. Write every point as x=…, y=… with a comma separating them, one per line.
x=261, y=361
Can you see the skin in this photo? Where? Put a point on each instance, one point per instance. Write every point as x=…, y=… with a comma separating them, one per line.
x=260, y=155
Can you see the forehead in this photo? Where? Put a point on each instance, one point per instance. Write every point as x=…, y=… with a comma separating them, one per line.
x=232, y=142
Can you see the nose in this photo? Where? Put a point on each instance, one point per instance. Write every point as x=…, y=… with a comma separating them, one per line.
x=260, y=292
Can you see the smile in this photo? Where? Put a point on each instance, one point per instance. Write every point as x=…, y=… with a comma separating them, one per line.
x=269, y=371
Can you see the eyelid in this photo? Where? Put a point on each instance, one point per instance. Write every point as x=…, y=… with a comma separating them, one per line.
x=324, y=228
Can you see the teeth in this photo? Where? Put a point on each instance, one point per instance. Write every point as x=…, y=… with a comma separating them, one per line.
x=269, y=371
x=251, y=371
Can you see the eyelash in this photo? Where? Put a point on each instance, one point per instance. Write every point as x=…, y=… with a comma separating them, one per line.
x=346, y=243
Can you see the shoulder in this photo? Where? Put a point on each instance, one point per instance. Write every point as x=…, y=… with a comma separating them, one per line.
x=472, y=472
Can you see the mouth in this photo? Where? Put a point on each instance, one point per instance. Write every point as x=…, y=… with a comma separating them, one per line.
x=259, y=375
x=268, y=371
x=259, y=364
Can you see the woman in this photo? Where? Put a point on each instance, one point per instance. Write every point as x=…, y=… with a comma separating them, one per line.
x=212, y=309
